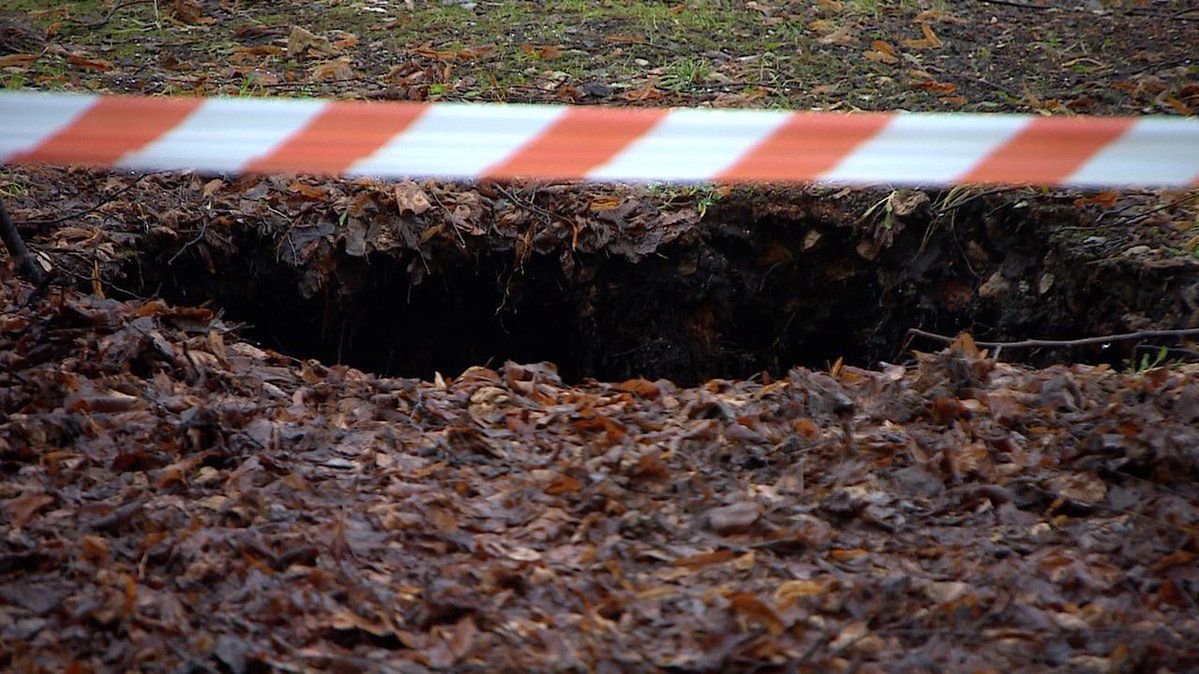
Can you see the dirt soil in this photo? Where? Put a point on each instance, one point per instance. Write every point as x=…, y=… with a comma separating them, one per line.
x=294, y=423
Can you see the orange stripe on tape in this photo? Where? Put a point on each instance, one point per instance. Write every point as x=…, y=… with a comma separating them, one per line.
x=578, y=141
x=341, y=134
x=1048, y=150
x=805, y=147
x=110, y=129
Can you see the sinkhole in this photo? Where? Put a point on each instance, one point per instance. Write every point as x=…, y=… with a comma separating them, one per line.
x=751, y=288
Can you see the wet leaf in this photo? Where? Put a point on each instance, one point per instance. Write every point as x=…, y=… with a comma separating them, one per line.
x=410, y=198
x=337, y=69
x=752, y=608
x=22, y=508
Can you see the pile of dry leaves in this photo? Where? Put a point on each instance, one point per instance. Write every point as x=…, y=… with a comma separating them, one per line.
x=175, y=498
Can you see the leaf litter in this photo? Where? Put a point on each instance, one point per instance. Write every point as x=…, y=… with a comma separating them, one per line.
x=174, y=497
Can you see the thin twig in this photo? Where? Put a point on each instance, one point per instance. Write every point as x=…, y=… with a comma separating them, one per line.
x=1021, y=5
x=1141, y=216
x=113, y=12
x=974, y=197
x=16, y=248
x=1059, y=343
x=189, y=244
x=87, y=211
x=976, y=78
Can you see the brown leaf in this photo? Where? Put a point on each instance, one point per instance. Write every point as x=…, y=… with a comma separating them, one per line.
x=651, y=466
x=646, y=93
x=94, y=549
x=885, y=47
x=1178, y=106
x=411, y=198
x=946, y=410
x=301, y=40
x=251, y=54
x=706, y=559
x=790, y=591
x=930, y=39
x=543, y=52
x=22, y=508
x=1081, y=488
x=462, y=639
x=604, y=202
x=882, y=52
x=190, y=11
x=337, y=69
x=307, y=191
x=1105, y=199
x=89, y=63
x=345, y=40
x=563, y=484
x=938, y=87
x=752, y=608
x=17, y=60
x=641, y=387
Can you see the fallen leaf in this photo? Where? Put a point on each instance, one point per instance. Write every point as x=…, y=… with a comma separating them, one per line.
x=646, y=93
x=641, y=387
x=563, y=484
x=1105, y=199
x=604, y=202
x=733, y=519
x=411, y=198
x=790, y=591
x=938, y=87
x=1178, y=106
x=752, y=608
x=543, y=52
x=17, y=60
x=882, y=52
x=344, y=40
x=1081, y=488
x=22, y=508
x=337, y=69
x=930, y=39
x=301, y=40
x=89, y=63
x=706, y=559
x=190, y=11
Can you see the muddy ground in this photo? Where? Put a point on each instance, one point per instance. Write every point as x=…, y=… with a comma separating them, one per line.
x=295, y=423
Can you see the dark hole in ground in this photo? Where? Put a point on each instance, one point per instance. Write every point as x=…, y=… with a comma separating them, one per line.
x=749, y=290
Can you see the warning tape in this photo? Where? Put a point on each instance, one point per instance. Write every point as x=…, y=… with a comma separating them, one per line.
x=470, y=141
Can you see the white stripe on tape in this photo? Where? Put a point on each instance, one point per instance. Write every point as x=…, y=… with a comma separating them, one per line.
x=1159, y=151
x=27, y=119
x=225, y=134
x=691, y=145
x=457, y=140
x=923, y=148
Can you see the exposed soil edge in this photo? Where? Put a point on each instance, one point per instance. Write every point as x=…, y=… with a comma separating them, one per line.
x=756, y=283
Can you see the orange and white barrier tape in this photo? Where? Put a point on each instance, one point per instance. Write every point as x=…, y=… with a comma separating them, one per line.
x=468, y=141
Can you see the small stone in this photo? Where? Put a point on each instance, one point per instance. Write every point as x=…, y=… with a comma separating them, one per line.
x=1046, y=283
x=1138, y=250
x=596, y=90
x=995, y=286
x=977, y=253
x=811, y=239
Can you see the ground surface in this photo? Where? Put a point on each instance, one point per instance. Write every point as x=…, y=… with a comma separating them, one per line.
x=174, y=496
